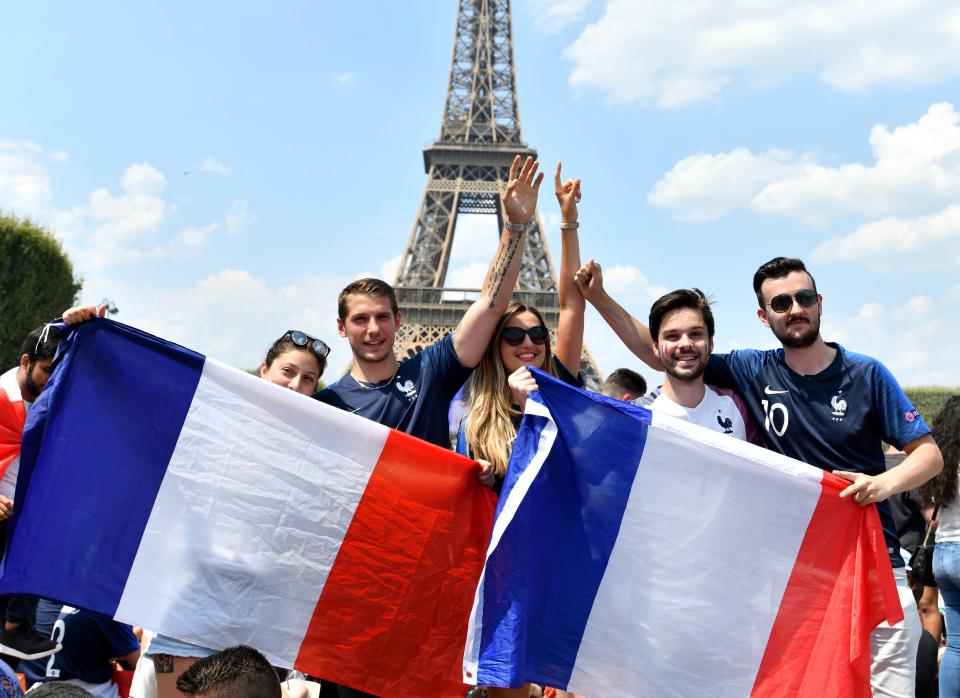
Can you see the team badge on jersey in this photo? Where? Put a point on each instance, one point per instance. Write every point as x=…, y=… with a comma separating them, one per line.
x=839, y=406
x=911, y=415
x=408, y=389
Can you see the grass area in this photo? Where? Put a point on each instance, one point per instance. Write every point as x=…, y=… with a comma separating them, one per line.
x=929, y=400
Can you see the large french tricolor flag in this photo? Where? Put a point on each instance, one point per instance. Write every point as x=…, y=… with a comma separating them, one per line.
x=639, y=555
x=176, y=493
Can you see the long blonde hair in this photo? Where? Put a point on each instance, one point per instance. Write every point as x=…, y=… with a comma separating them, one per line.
x=490, y=433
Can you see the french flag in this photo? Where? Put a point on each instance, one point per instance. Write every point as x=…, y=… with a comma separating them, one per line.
x=173, y=492
x=639, y=555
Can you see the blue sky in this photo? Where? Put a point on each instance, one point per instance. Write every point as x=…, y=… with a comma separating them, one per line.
x=220, y=170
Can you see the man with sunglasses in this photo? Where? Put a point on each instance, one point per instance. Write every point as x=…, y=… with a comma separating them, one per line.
x=829, y=407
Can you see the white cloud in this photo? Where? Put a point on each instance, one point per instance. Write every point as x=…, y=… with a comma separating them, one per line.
x=706, y=187
x=390, y=268
x=916, y=170
x=60, y=156
x=211, y=164
x=924, y=243
x=344, y=78
x=954, y=294
x=233, y=315
x=24, y=184
x=908, y=339
x=553, y=15
x=238, y=218
x=469, y=276
x=680, y=53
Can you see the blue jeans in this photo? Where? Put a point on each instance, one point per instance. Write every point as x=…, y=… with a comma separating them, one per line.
x=946, y=568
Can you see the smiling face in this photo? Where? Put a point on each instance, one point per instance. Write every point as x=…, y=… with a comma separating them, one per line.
x=527, y=353
x=684, y=344
x=797, y=327
x=370, y=326
x=297, y=369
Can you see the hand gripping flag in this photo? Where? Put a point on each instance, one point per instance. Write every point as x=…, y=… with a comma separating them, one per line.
x=173, y=492
x=638, y=555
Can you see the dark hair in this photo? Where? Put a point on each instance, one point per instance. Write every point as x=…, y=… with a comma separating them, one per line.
x=623, y=380
x=59, y=689
x=285, y=344
x=777, y=268
x=236, y=672
x=946, y=432
x=681, y=298
x=41, y=343
x=366, y=287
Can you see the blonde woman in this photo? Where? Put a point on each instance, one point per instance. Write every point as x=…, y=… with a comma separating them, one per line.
x=500, y=384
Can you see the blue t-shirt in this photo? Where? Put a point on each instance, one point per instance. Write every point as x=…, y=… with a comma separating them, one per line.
x=90, y=641
x=836, y=419
x=415, y=400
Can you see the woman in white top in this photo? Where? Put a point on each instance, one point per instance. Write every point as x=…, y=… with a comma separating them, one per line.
x=945, y=491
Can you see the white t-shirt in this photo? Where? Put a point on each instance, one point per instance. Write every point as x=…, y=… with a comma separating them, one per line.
x=720, y=410
x=9, y=384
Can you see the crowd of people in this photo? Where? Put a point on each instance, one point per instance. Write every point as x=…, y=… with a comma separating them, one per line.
x=810, y=399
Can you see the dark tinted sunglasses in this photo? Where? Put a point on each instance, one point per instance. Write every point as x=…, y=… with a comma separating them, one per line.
x=302, y=339
x=514, y=335
x=807, y=298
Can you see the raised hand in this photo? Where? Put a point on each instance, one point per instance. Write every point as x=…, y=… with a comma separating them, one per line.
x=520, y=197
x=82, y=313
x=589, y=280
x=568, y=194
x=521, y=383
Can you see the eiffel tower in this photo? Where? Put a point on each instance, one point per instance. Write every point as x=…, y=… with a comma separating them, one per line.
x=467, y=171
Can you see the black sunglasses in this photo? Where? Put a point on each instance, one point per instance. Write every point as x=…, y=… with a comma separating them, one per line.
x=807, y=298
x=514, y=335
x=302, y=339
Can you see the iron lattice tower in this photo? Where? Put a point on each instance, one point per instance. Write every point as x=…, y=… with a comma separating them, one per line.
x=467, y=171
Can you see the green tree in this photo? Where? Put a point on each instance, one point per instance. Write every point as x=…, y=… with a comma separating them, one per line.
x=36, y=283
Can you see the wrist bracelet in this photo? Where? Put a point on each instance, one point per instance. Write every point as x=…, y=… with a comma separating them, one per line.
x=517, y=227
x=570, y=226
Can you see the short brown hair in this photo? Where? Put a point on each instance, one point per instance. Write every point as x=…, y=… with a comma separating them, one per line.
x=366, y=287
x=692, y=298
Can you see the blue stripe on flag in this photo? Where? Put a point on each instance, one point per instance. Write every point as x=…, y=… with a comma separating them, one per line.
x=95, y=449
x=534, y=613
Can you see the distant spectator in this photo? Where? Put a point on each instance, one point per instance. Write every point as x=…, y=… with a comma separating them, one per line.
x=91, y=643
x=624, y=384
x=237, y=672
x=58, y=690
x=19, y=388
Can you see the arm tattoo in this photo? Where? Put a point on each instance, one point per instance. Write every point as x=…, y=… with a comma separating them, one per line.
x=163, y=663
x=501, y=264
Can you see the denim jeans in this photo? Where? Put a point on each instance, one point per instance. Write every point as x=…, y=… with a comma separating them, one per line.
x=946, y=568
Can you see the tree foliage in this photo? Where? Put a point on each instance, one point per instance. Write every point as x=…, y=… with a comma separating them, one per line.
x=929, y=401
x=36, y=283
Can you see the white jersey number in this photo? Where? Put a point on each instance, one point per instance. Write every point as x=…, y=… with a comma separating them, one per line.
x=770, y=417
x=59, y=628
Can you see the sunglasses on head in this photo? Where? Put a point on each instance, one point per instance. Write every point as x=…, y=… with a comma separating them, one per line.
x=514, y=335
x=807, y=298
x=302, y=339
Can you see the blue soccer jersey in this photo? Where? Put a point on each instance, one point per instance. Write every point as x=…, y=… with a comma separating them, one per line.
x=837, y=419
x=415, y=400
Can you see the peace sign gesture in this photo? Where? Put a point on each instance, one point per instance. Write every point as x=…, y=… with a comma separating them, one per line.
x=520, y=196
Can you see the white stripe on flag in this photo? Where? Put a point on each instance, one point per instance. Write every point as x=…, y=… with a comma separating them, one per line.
x=666, y=574
x=250, y=515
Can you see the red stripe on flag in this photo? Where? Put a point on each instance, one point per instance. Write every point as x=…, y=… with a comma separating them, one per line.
x=840, y=589
x=12, y=416
x=392, y=617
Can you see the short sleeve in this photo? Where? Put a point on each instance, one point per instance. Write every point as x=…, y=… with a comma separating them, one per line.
x=734, y=371
x=901, y=423
x=563, y=374
x=119, y=636
x=441, y=360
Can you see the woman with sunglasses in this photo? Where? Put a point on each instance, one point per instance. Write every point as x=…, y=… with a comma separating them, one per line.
x=500, y=384
x=296, y=361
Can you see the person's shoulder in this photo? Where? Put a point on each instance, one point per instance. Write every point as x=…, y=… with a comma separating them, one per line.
x=333, y=393
x=863, y=365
